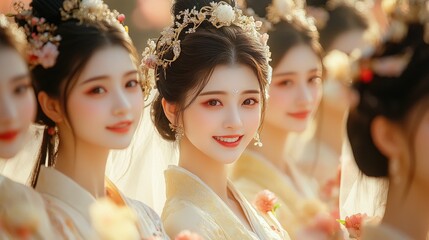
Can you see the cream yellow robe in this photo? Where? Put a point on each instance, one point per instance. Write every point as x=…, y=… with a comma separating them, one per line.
x=253, y=173
x=20, y=201
x=382, y=232
x=192, y=205
x=69, y=204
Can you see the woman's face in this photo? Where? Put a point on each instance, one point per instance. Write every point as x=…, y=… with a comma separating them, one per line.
x=295, y=91
x=225, y=116
x=17, y=102
x=105, y=105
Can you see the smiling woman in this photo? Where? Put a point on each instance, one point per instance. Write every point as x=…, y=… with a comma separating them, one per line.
x=22, y=210
x=89, y=102
x=212, y=73
x=295, y=93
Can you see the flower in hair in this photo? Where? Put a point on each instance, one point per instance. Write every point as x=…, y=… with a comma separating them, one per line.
x=224, y=14
x=48, y=55
x=91, y=11
x=218, y=14
x=43, y=43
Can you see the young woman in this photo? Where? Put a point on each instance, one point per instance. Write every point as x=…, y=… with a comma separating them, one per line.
x=212, y=72
x=295, y=93
x=22, y=210
x=90, y=101
x=389, y=127
x=343, y=27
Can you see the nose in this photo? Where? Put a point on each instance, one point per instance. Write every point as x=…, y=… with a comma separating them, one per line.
x=304, y=94
x=8, y=111
x=233, y=118
x=121, y=103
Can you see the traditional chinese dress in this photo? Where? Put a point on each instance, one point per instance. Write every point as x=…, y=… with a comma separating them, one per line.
x=22, y=212
x=192, y=205
x=69, y=204
x=252, y=173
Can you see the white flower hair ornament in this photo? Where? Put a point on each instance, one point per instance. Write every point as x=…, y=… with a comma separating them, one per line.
x=219, y=14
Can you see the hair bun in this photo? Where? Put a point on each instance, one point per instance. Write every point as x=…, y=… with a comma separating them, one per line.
x=47, y=9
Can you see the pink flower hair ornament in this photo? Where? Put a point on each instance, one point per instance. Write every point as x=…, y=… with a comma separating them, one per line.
x=41, y=35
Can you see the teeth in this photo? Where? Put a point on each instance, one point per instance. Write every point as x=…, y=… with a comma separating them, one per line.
x=228, y=140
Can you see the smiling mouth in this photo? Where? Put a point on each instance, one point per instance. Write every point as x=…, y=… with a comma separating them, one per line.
x=8, y=136
x=300, y=115
x=122, y=127
x=228, y=141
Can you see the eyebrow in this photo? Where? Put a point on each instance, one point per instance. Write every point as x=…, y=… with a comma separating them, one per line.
x=20, y=77
x=102, y=77
x=292, y=73
x=225, y=93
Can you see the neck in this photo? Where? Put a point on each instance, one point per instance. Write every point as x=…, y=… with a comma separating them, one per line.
x=331, y=127
x=211, y=172
x=412, y=205
x=84, y=163
x=274, y=148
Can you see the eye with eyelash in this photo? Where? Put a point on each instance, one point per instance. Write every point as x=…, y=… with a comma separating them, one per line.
x=213, y=103
x=96, y=91
x=255, y=101
x=132, y=83
x=285, y=82
x=21, y=89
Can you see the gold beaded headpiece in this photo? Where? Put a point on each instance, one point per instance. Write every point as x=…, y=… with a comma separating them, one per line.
x=218, y=14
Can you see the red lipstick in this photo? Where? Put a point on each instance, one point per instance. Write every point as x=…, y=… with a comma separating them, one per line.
x=9, y=135
x=300, y=115
x=229, y=141
x=120, y=127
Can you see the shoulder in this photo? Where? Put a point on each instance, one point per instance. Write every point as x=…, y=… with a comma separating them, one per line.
x=179, y=215
x=20, y=202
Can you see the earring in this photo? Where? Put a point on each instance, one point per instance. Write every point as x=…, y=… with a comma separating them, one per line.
x=52, y=131
x=394, y=170
x=179, y=132
x=257, y=140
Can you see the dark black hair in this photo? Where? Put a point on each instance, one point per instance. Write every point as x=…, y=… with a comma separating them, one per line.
x=395, y=98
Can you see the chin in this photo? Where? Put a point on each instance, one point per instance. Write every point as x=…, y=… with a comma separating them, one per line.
x=117, y=145
x=228, y=160
x=10, y=153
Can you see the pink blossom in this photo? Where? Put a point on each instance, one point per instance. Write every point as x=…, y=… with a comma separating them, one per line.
x=121, y=18
x=354, y=223
x=265, y=201
x=150, y=61
x=48, y=55
x=188, y=235
x=264, y=38
x=34, y=21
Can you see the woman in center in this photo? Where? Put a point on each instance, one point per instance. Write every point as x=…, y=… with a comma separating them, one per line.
x=212, y=74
